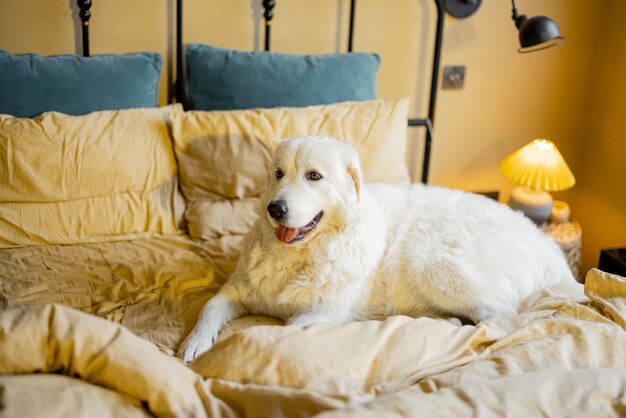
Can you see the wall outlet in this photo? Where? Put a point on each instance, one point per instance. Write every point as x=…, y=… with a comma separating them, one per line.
x=453, y=77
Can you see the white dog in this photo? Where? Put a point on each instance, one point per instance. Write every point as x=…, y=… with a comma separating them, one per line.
x=327, y=248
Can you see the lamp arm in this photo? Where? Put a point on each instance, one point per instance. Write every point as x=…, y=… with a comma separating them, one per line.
x=518, y=18
x=515, y=14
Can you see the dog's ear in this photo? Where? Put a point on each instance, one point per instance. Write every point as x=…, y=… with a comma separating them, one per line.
x=355, y=173
x=353, y=168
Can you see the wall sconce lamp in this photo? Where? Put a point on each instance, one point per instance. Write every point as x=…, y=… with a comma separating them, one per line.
x=536, y=33
x=537, y=168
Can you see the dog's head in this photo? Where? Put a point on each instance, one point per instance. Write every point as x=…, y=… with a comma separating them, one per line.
x=313, y=183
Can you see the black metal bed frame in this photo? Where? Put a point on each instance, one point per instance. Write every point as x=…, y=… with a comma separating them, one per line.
x=268, y=15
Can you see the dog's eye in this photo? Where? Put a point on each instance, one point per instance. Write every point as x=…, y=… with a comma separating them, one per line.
x=314, y=175
x=279, y=173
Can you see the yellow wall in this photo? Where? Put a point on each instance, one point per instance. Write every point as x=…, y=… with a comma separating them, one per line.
x=508, y=99
x=600, y=199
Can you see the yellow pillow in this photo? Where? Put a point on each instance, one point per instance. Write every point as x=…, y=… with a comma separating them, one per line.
x=105, y=175
x=224, y=156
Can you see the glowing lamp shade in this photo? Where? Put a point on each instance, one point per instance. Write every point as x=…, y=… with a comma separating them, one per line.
x=537, y=168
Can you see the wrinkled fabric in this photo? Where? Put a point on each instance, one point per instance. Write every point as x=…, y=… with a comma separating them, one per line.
x=54, y=338
x=104, y=176
x=57, y=395
x=563, y=355
x=154, y=287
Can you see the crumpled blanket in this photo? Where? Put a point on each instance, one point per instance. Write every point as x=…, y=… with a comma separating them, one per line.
x=563, y=355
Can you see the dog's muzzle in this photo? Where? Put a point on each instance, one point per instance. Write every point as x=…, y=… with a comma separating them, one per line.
x=290, y=235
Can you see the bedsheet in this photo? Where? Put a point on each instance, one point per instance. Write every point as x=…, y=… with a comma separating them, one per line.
x=155, y=287
x=563, y=355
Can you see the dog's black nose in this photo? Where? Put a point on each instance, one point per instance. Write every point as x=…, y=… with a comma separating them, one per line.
x=277, y=209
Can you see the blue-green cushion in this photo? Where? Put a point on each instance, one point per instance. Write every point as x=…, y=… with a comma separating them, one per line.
x=31, y=84
x=222, y=79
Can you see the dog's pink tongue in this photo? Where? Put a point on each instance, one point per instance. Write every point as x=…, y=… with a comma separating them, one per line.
x=285, y=234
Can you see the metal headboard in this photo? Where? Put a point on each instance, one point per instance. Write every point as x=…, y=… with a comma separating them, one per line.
x=268, y=15
x=85, y=15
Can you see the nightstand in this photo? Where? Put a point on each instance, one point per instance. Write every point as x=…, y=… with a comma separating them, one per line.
x=568, y=235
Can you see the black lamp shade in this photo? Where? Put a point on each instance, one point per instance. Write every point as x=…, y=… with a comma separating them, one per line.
x=537, y=33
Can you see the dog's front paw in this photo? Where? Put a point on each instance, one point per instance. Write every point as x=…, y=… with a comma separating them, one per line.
x=195, y=344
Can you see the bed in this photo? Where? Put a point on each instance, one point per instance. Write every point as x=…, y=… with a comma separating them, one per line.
x=120, y=219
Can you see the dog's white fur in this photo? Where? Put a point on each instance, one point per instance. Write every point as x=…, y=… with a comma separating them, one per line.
x=378, y=250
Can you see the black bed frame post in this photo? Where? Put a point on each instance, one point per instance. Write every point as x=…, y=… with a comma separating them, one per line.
x=85, y=15
x=268, y=5
x=351, y=27
x=433, y=89
x=180, y=97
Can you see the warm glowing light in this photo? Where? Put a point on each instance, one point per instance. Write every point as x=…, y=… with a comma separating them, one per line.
x=543, y=144
x=538, y=166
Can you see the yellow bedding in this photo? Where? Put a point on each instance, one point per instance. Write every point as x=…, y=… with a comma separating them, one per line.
x=564, y=355
x=89, y=329
x=104, y=176
x=154, y=287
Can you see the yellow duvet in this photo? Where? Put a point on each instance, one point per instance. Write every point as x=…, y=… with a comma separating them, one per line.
x=99, y=285
x=94, y=337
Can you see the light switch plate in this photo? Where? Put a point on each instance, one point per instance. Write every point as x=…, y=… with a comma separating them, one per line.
x=453, y=77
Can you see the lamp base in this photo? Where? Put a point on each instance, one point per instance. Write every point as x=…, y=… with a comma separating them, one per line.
x=535, y=204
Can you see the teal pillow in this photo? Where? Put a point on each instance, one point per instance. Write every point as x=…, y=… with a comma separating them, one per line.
x=31, y=84
x=222, y=79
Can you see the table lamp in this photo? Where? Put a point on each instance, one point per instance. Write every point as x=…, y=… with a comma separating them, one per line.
x=537, y=168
